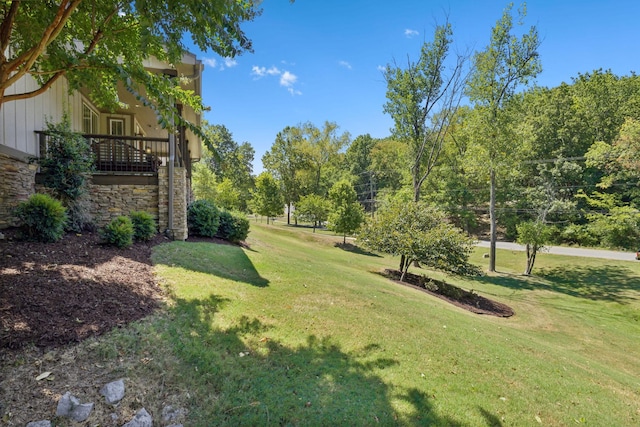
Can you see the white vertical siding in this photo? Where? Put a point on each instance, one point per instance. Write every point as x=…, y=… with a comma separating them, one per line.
x=20, y=119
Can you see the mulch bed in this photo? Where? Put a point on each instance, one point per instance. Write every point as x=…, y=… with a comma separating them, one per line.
x=52, y=294
x=459, y=297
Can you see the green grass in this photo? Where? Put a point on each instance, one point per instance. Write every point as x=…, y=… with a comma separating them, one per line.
x=298, y=331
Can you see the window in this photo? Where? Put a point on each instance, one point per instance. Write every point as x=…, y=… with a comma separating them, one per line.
x=116, y=127
x=89, y=119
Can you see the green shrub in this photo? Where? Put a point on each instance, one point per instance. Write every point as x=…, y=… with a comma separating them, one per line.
x=203, y=218
x=65, y=169
x=42, y=218
x=144, y=226
x=118, y=232
x=233, y=227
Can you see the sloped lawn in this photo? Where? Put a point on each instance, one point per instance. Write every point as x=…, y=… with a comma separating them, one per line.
x=293, y=330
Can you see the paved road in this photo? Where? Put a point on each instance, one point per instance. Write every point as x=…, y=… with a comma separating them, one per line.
x=561, y=250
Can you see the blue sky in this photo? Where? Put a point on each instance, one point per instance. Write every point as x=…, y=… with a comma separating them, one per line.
x=319, y=60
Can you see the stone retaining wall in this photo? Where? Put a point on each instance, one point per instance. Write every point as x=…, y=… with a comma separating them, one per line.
x=17, y=183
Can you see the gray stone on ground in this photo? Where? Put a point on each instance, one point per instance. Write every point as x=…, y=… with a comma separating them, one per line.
x=175, y=425
x=69, y=406
x=171, y=414
x=142, y=419
x=113, y=392
x=43, y=423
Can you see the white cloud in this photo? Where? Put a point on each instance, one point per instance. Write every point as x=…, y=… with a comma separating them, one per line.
x=221, y=66
x=264, y=71
x=345, y=64
x=230, y=62
x=210, y=62
x=410, y=33
x=287, y=79
x=381, y=68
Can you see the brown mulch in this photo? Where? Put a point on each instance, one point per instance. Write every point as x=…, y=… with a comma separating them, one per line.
x=459, y=297
x=57, y=293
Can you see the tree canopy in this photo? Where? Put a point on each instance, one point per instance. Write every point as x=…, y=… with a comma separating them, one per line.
x=97, y=43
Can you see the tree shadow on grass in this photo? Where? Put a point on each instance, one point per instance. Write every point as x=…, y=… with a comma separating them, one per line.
x=242, y=376
x=349, y=247
x=604, y=283
x=221, y=260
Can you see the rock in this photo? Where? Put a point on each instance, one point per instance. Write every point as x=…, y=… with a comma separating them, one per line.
x=142, y=419
x=113, y=392
x=175, y=425
x=2, y=238
x=69, y=406
x=43, y=423
x=171, y=414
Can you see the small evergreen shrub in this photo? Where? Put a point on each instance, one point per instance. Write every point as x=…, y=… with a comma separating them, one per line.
x=203, y=218
x=118, y=232
x=233, y=227
x=144, y=226
x=42, y=218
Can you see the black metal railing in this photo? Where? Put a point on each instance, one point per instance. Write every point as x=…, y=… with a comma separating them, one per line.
x=132, y=154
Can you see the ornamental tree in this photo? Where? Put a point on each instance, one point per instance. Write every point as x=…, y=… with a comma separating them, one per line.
x=417, y=232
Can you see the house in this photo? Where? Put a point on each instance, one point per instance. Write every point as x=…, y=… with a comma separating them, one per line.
x=139, y=165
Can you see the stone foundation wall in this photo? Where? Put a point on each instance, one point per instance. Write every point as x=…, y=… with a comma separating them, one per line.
x=111, y=201
x=17, y=183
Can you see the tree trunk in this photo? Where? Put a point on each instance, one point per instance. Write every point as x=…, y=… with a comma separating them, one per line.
x=532, y=250
x=492, y=219
x=289, y=214
x=344, y=239
x=402, y=262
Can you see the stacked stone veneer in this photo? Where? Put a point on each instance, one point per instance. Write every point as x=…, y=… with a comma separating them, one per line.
x=179, y=231
x=111, y=201
x=17, y=183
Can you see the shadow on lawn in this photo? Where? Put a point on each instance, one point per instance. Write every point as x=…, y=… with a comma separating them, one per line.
x=355, y=249
x=241, y=376
x=605, y=283
x=221, y=260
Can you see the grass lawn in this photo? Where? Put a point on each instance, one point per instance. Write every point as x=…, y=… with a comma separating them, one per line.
x=296, y=331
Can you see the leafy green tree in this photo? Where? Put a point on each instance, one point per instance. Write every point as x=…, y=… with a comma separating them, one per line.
x=232, y=166
x=534, y=235
x=418, y=232
x=312, y=208
x=357, y=161
x=97, y=43
x=267, y=199
x=204, y=182
x=286, y=161
x=229, y=196
x=507, y=62
x=321, y=148
x=347, y=214
x=422, y=100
